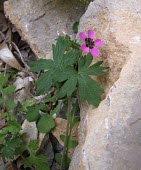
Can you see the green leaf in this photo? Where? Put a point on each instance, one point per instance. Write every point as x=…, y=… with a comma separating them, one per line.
x=75, y=27
x=71, y=143
x=73, y=121
x=50, y=98
x=59, y=49
x=1, y=100
x=8, y=90
x=44, y=83
x=33, y=145
x=71, y=57
x=45, y=124
x=58, y=158
x=56, y=109
x=69, y=87
x=2, y=137
x=39, y=162
x=62, y=67
x=13, y=127
x=87, y=61
x=81, y=62
x=89, y=90
x=41, y=107
x=3, y=80
x=22, y=148
x=3, y=115
x=32, y=114
x=64, y=73
x=27, y=103
x=9, y=149
x=10, y=104
x=62, y=137
x=96, y=69
x=41, y=64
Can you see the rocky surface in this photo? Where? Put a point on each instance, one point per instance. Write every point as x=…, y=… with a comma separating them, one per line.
x=40, y=21
x=110, y=135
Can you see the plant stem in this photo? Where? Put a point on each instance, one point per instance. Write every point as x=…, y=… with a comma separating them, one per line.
x=71, y=127
x=67, y=134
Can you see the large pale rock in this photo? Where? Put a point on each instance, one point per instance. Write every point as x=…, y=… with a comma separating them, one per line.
x=109, y=135
x=40, y=21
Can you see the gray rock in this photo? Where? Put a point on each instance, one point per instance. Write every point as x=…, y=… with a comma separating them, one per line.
x=109, y=135
x=40, y=21
x=2, y=166
x=30, y=129
x=48, y=152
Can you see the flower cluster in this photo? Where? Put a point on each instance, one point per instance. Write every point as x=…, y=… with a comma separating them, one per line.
x=90, y=44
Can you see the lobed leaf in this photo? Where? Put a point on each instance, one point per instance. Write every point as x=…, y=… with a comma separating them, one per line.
x=44, y=83
x=85, y=62
x=68, y=88
x=8, y=90
x=39, y=162
x=89, y=90
x=59, y=49
x=8, y=151
x=41, y=64
x=3, y=80
x=96, y=69
x=71, y=57
x=33, y=145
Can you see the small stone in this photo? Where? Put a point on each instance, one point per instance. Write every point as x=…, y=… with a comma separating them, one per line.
x=30, y=129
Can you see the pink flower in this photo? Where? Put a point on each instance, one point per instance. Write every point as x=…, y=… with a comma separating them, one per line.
x=90, y=44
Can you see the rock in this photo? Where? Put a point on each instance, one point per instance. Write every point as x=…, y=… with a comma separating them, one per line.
x=40, y=21
x=109, y=135
x=30, y=129
x=48, y=152
x=23, y=87
x=57, y=147
x=2, y=166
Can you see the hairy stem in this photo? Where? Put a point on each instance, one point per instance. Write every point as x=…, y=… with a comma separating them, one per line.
x=67, y=135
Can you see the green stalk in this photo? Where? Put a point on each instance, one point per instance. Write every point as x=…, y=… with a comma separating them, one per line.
x=70, y=130
x=67, y=135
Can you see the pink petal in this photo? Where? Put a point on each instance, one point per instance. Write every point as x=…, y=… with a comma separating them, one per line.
x=82, y=36
x=98, y=43
x=84, y=48
x=90, y=34
x=94, y=52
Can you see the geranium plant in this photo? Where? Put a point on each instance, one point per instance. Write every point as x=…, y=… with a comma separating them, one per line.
x=69, y=72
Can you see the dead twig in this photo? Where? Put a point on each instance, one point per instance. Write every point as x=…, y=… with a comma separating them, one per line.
x=21, y=57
